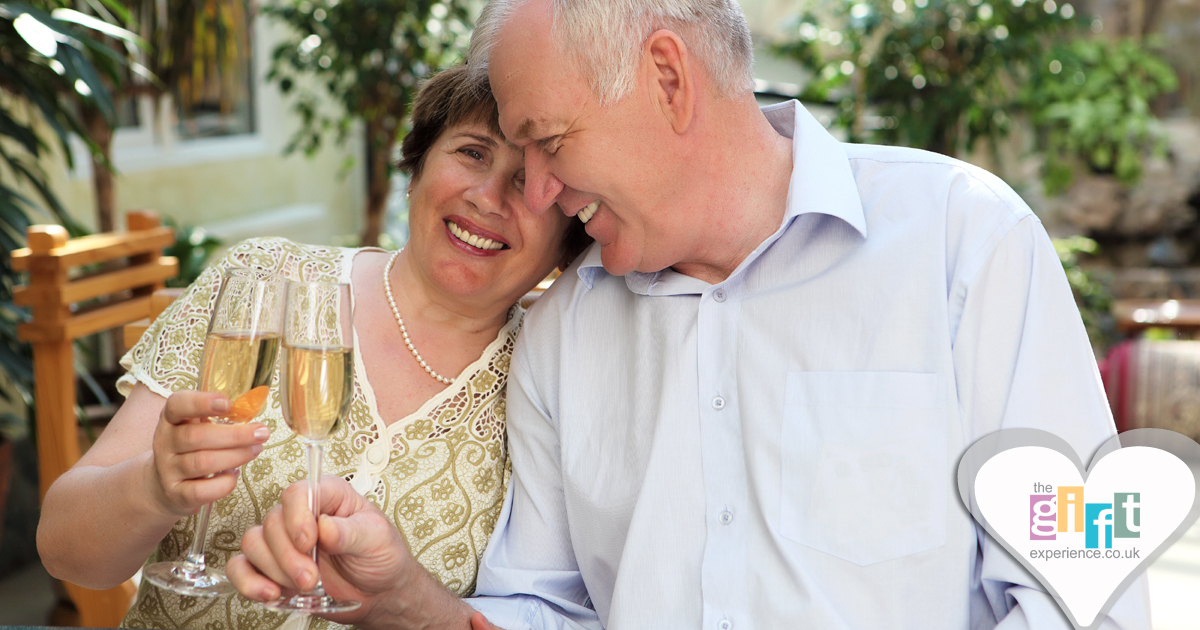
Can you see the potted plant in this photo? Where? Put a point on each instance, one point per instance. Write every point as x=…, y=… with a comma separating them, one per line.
x=370, y=57
x=45, y=76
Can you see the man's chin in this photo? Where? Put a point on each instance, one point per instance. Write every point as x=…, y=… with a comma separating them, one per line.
x=614, y=263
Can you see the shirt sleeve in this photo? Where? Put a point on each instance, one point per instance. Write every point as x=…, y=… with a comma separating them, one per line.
x=167, y=357
x=1023, y=360
x=528, y=576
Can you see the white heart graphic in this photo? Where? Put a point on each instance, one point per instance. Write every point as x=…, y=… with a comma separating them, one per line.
x=1132, y=503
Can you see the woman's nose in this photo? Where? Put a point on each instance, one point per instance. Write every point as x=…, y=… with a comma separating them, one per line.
x=490, y=194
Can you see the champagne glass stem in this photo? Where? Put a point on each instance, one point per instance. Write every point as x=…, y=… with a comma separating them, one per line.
x=195, y=557
x=316, y=457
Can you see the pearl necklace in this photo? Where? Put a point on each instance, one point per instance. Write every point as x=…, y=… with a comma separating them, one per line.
x=387, y=288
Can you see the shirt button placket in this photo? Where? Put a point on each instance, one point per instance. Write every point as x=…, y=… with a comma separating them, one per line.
x=724, y=548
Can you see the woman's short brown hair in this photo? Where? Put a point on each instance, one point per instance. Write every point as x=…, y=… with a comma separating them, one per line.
x=456, y=96
x=451, y=97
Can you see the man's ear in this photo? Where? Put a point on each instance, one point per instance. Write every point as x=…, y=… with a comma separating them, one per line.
x=671, y=84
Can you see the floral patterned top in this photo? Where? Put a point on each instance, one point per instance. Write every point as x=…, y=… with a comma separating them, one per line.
x=440, y=473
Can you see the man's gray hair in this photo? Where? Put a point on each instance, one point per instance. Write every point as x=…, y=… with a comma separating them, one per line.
x=606, y=37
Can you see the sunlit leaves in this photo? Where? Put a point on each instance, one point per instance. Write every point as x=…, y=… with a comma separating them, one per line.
x=369, y=56
x=1091, y=104
x=935, y=74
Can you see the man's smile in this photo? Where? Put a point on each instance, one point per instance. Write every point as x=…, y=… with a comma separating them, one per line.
x=585, y=214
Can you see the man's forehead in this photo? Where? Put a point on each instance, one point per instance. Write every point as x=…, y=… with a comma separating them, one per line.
x=525, y=111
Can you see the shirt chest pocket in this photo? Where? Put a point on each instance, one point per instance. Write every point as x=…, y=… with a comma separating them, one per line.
x=864, y=463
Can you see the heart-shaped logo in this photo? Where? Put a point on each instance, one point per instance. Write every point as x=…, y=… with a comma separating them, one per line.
x=1085, y=535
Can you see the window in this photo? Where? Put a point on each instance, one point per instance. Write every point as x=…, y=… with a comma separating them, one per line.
x=203, y=53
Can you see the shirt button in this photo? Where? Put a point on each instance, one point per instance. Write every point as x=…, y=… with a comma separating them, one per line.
x=718, y=403
x=725, y=624
x=725, y=517
x=719, y=295
x=375, y=454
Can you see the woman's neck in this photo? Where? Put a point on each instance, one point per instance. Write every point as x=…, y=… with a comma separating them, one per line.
x=425, y=305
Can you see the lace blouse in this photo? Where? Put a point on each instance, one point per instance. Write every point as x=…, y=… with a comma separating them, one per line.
x=439, y=474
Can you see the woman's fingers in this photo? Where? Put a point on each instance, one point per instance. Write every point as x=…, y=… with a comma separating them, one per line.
x=195, y=461
x=186, y=405
x=199, y=436
x=202, y=463
x=196, y=493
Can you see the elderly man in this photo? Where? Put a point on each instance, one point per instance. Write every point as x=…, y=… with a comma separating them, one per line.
x=744, y=406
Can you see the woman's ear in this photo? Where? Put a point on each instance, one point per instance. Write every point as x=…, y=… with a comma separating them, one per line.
x=672, y=88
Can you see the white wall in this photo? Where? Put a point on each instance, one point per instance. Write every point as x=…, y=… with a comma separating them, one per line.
x=241, y=185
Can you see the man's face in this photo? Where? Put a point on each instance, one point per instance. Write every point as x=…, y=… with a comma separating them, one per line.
x=600, y=165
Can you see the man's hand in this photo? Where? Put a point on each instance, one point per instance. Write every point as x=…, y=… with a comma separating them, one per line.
x=362, y=558
x=196, y=461
x=479, y=622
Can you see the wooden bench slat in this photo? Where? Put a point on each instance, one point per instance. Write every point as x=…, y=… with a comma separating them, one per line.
x=159, y=301
x=88, y=322
x=96, y=248
x=133, y=331
x=103, y=283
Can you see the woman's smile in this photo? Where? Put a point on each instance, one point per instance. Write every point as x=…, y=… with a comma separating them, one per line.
x=476, y=239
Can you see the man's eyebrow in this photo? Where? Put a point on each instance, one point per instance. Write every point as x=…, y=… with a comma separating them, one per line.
x=524, y=130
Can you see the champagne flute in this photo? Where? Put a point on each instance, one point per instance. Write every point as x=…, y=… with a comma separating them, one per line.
x=317, y=382
x=239, y=362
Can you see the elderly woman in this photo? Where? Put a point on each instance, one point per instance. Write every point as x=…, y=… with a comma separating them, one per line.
x=424, y=444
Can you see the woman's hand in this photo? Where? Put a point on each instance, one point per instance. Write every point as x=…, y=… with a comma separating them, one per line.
x=363, y=558
x=149, y=468
x=196, y=461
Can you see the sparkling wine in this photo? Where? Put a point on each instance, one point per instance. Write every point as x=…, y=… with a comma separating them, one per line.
x=318, y=388
x=239, y=365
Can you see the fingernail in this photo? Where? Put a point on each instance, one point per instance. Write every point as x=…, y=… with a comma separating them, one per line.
x=220, y=404
x=303, y=577
x=256, y=449
x=262, y=433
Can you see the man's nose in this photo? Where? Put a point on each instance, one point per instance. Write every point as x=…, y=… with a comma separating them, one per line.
x=541, y=186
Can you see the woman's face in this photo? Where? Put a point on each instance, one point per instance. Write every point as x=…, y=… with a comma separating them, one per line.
x=469, y=229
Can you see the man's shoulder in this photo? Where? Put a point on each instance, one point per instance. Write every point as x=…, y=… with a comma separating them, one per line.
x=963, y=186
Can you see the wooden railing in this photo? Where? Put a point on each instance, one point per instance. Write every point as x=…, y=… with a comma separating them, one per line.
x=78, y=287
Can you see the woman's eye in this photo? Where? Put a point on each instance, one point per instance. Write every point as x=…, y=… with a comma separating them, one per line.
x=474, y=154
x=519, y=183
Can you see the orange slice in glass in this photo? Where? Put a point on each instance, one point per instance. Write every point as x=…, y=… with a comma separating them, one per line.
x=248, y=405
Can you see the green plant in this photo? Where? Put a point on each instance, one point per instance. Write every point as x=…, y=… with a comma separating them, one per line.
x=943, y=74
x=1091, y=295
x=1090, y=101
x=370, y=57
x=46, y=74
x=938, y=74
x=193, y=247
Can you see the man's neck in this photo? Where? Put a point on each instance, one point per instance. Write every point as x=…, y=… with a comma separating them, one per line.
x=745, y=196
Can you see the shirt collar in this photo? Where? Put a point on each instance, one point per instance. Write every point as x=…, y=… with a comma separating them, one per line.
x=822, y=182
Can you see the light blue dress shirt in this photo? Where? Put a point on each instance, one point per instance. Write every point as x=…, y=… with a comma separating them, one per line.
x=779, y=450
